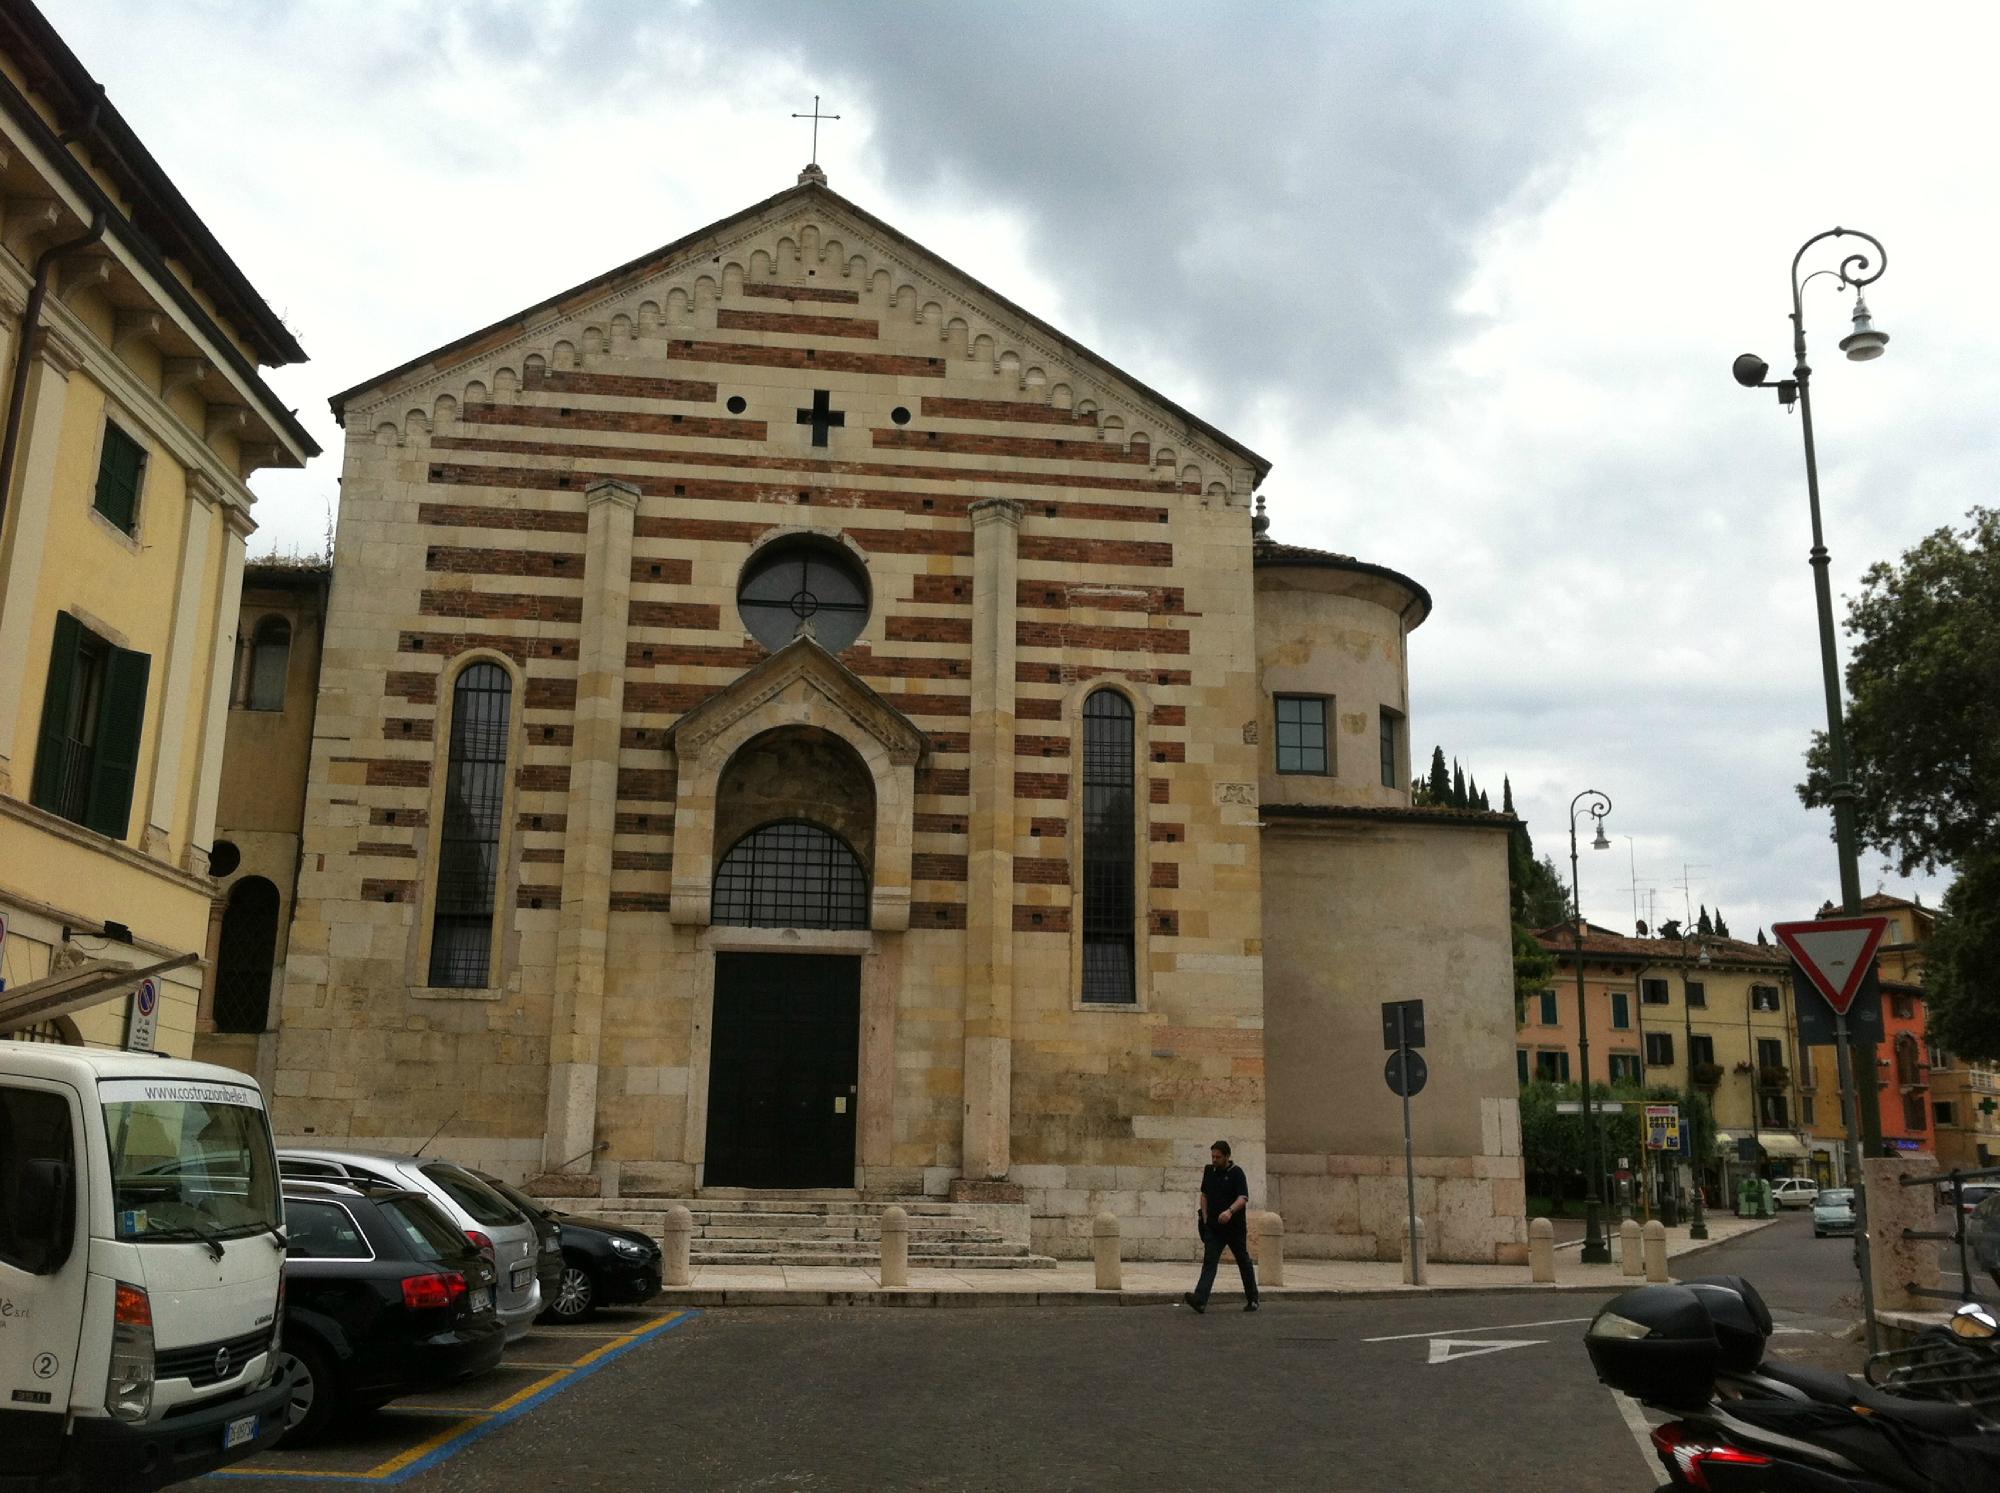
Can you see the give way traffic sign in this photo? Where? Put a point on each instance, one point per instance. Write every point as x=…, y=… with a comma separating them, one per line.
x=1835, y=953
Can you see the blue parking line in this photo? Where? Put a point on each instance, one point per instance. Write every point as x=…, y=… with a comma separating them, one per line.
x=473, y=1432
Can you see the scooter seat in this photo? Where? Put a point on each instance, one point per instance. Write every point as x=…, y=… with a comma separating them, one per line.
x=1935, y=1417
x=1819, y=1384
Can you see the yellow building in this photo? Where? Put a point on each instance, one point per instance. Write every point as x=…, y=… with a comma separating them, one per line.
x=1708, y=1013
x=134, y=412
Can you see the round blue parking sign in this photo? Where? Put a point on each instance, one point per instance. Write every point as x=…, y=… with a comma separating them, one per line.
x=149, y=997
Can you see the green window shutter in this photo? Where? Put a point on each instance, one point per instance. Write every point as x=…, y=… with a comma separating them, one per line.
x=121, y=720
x=118, y=468
x=55, y=713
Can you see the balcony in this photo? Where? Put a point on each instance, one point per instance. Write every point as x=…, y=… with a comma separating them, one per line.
x=1706, y=1075
x=1773, y=1076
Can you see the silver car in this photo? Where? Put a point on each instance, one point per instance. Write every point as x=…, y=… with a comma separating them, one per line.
x=489, y=1220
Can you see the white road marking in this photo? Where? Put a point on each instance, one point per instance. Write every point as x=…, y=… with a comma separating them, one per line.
x=1403, y=1337
x=1451, y=1349
x=1635, y=1422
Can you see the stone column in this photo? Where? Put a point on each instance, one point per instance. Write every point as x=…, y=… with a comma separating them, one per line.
x=180, y=678
x=989, y=882
x=207, y=775
x=583, y=935
x=26, y=530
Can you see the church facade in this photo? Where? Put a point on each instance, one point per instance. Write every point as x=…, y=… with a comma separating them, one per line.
x=791, y=719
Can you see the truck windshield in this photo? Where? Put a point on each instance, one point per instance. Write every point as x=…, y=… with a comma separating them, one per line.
x=191, y=1169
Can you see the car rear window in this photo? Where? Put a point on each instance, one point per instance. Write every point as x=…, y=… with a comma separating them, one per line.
x=474, y=1196
x=1837, y=1195
x=425, y=1232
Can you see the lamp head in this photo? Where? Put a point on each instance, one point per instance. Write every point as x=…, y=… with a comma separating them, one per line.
x=1702, y=958
x=1749, y=370
x=1864, y=342
x=1602, y=842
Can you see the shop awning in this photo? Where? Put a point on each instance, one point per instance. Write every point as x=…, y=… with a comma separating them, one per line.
x=1782, y=1144
x=74, y=989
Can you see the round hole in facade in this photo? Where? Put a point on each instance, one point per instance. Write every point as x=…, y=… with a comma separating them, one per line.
x=800, y=582
x=738, y=404
x=900, y=415
x=223, y=858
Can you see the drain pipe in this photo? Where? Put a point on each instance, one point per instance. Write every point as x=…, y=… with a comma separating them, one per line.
x=31, y=318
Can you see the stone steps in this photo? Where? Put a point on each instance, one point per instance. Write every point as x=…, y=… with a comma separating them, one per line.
x=734, y=1227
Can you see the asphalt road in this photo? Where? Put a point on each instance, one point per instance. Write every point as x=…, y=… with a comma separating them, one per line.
x=1446, y=1392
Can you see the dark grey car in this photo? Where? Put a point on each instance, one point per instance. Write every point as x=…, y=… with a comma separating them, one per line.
x=488, y=1220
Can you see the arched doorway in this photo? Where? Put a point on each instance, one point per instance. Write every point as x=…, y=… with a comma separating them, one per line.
x=797, y=808
x=247, y=951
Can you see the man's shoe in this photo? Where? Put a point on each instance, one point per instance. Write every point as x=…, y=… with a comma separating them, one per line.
x=1188, y=1297
x=1249, y=1306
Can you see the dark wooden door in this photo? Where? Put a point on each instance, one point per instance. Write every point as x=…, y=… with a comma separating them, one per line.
x=785, y=1044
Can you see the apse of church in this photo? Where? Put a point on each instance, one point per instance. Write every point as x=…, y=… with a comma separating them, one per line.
x=791, y=719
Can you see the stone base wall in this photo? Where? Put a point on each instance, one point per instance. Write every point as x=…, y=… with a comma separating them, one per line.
x=1474, y=1208
x=1154, y=1206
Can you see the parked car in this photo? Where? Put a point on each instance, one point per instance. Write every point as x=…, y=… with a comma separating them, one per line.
x=1833, y=1212
x=384, y=1296
x=487, y=1219
x=1794, y=1192
x=603, y=1264
x=548, y=1236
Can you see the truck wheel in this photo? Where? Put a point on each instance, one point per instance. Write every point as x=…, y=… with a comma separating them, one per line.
x=315, y=1397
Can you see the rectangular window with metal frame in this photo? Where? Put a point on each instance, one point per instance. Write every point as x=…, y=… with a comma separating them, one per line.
x=1302, y=739
x=1806, y=1109
x=1550, y=1014
x=1521, y=1064
x=1659, y=1049
x=1763, y=997
x=1770, y=1054
x=1621, y=1010
x=1552, y=1067
x=1701, y=1050
x=1625, y=1067
x=1392, y=741
x=93, y=716
x=121, y=471
x=1944, y=1112
x=1697, y=994
x=1652, y=992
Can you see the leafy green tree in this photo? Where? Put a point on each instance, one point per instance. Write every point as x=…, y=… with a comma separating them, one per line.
x=1923, y=732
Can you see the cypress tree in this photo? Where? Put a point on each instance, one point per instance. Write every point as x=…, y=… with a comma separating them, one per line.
x=1702, y=923
x=1471, y=792
x=1457, y=785
x=1721, y=928
x=1438, y=789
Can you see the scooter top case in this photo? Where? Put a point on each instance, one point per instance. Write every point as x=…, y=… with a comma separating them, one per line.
x=1656, y=1344
x=1741, y=1320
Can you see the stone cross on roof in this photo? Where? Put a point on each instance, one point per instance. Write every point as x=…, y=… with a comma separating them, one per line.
x=812, y=171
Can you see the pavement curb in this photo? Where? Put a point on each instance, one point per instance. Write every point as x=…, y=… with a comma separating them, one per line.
x=963, y=1300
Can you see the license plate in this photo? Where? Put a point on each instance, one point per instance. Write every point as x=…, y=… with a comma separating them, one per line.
x=239, y=1432
x=522, y=1275
x=482, y=1299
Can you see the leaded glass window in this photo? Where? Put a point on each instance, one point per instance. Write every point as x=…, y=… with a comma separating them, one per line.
x=1109, y=905
x=1301, y=733
x=475, y=797
x=791, y=874
x=794, y=582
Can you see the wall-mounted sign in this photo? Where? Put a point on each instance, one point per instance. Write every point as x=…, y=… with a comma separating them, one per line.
x=142, y=1027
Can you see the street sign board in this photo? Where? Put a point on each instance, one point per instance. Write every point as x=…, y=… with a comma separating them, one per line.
x=1599, y=1106
x=144, y=1024
x=1412, y=1030
x=1834, y=953
x=1417, y=1071
x=1663, y=1127
x=1816, y=1018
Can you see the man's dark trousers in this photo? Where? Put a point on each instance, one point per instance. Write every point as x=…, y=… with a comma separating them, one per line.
x=1236, y=1235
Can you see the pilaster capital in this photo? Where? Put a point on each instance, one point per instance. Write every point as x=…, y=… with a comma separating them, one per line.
x=240, y=523
x=996, y=510
x=203, y=488
x=62, y=353
x=611, y=490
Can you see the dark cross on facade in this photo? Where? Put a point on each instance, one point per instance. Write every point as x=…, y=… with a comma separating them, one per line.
x=816, y=117
x=822, y=417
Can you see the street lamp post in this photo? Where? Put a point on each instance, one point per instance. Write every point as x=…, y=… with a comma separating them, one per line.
x=1698, y=1229
x=1595, y=1250
x=1861, y=345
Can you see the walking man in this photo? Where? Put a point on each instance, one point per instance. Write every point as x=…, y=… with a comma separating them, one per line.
x=1224, y=1211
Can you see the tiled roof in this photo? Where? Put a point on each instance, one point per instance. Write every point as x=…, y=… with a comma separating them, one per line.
x=1604, y=944
x=1267, y=552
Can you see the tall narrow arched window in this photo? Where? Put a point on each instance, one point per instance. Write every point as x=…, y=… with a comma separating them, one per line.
x=475, y=794
x=1109, y=906
x=270, y=655
x=244, y=958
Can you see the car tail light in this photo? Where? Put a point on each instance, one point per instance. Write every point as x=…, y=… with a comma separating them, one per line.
x=128, y=1383
x=480, y=1241
x=1691, y=1458
x=422, y=1291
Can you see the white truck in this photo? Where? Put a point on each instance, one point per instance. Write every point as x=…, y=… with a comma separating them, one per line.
x=142, y=1250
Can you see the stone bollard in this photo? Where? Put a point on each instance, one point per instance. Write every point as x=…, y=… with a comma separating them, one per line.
x=1270, y=1249
x=1897, y=1264
x=1654, y=1250
x=679, y=1241
x=1104, y=1251
x=895, y=1247
x=1629, y=1258
x=1414, y=1260
x=1541, y=1251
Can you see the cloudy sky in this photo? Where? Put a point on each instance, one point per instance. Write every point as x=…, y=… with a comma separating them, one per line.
x=1471, y=275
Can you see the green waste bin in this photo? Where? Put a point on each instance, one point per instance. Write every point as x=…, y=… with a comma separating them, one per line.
x=1746, y=1197
x=1766, y=1206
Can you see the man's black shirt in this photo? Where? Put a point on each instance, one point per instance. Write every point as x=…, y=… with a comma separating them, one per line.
x=1223, y=1185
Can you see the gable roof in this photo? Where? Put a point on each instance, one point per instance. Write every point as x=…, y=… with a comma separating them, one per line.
x=806, y=192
